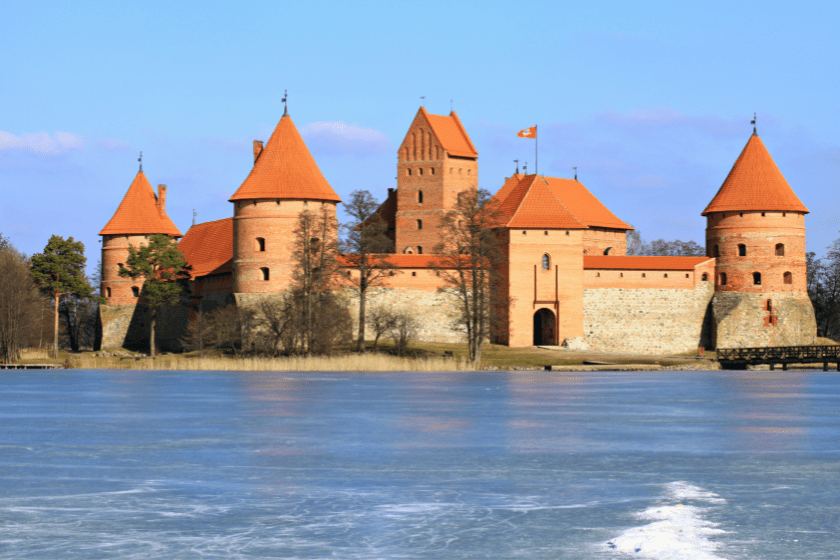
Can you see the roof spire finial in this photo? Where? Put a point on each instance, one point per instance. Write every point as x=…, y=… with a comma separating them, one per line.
x=516, y=161
x=285, y=106
x=752, y=122
x=575, y=168
x=140, y=159
x=194, y=215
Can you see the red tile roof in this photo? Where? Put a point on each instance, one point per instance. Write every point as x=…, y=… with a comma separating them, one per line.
x=139, y=213
x=451, y=134
x=641, y=263
x=407, y=261
x=208, y=247
x=537, y=201
x=286, y=170
x=755, y=183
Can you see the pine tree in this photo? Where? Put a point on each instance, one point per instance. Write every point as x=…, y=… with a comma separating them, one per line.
x=163, y=269
x=59, y=271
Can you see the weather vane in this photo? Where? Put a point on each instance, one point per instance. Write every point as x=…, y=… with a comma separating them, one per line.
x=575, y=168
x=752, y=122
x=516, y=161
x=140, y=159
x=285, y=106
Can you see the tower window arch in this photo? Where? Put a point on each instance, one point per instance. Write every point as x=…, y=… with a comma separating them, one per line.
x=788, y=278
x=546, y=262
x=757, y=278
x=780, y=249
x=705, y=277
x=135, y=291
x=420, y=197
x=260, y=244
x=742, y=250
x=419, y=170
x=265, y=274
x=723, y=279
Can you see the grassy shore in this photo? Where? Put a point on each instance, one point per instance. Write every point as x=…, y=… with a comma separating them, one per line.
x=420, y=356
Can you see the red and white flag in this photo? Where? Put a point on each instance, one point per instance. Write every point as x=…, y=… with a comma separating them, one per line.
x=530, y=132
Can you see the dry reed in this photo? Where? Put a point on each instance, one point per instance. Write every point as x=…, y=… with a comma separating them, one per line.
x=355, y=362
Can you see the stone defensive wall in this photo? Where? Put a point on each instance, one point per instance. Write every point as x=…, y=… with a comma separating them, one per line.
x=127, y=326
x=648, y=311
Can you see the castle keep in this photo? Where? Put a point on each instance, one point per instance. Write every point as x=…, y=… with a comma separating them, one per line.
x=567, y=277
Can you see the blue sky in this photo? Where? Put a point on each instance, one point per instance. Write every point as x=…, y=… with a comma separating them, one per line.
x=651, y=101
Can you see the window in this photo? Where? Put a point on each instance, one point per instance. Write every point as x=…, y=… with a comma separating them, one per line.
x=723, y=279
x=784, y=214
x=419, y=250
x=419, y=224
x=705, y=277
x=666, y=275
x=420, y=171
x=304, y=203
x=260, y=244
x=742, y=214
x=409, y=170
x=598, y=274
x=644, y=275
x=780, y=249
x=769, y=306
x=545, y=233
x=107, y=292
x=757, y=278
x=135, y=291
x=607, y=250
x=432, y=170
x=788, y=278
x=413, y=273
x=546, y=262
x=717, y=251
x=567, y=233
x=278, y=202
x=264, y=273
x=686, y=274
x=742, y=250
x=524, y=232
x=420, y=197
x=762, y=214
x=621, y=275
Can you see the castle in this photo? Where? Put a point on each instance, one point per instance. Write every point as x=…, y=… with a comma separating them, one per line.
x=567, y=278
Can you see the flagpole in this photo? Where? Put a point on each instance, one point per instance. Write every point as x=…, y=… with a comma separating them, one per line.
x=536, y=144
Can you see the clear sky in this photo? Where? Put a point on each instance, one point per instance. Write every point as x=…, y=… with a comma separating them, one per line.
x=651, y=101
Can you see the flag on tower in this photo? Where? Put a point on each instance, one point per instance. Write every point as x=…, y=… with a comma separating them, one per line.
x=530, y=132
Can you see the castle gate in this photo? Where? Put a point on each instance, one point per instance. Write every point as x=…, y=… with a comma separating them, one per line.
x=544, y=328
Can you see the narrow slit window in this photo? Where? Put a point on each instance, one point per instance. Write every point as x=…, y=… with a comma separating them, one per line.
x=107, y=292
x=742, y=250
x=717, y=251
x=265, y=275
x=420, y=197
x=260, y=244
x=419, y=250
x=723, y=279
x=419, y=224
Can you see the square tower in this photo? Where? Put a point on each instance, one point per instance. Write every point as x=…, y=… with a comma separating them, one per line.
x=436, y=161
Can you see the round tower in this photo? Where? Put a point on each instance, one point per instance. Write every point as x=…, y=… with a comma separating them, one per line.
x=284, y=181
x=140, y=215
x=756, y=232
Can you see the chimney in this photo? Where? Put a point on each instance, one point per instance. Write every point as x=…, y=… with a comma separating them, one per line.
x=161, y=200
x=258, y=147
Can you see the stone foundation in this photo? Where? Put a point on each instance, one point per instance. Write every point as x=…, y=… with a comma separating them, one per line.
x=743, y=320
x=127, y=326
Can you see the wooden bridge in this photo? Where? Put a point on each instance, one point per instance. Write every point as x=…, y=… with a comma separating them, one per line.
x=31, y=366
x=740, y=358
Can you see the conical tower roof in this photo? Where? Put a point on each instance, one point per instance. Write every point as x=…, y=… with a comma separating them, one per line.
x=139, y=212
x=755, y=183
x=285, y=170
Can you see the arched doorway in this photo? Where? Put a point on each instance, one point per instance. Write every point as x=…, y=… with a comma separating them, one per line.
x=544, y=328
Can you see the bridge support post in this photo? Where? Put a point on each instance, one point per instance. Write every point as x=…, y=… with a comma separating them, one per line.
x=772, y=367
x=784, y=366
x=825, y=366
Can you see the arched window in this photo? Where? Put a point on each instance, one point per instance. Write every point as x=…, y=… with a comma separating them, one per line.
x=723, y=279
x=260, y=244
x=135, y=291
x=742, y=250
x=717, y=251
x=546, y=262
x=419, y=170
x=788, y=278
x=705, y=277
x=420, y=197
x=757, y=278
x=780, y=249
x=607, y=250
x=264, y=273
x=419, y=224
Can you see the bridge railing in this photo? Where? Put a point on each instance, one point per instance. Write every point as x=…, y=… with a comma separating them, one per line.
x=780, y=353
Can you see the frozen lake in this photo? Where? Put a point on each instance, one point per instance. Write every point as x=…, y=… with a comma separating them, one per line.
x=688, y=465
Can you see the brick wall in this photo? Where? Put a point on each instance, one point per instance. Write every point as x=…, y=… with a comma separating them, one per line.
x=116, y=290
x=597, y=240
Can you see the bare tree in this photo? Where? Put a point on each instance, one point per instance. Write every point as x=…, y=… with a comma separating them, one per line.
x=403, y=330
x=220, y=328
x=470, y=260
x=662, y=248
x=366, y=247
x=823, y=282
x=382, y=320
x=20, y=303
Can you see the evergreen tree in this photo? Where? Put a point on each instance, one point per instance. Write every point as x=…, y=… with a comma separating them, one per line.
x=163, y=269
x=59, y=271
